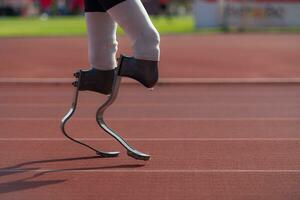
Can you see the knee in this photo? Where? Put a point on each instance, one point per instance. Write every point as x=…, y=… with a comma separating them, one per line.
x=152, y=36
x=146, y=46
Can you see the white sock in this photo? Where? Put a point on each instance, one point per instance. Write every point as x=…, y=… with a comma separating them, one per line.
x=133, y=18
x=102, y=42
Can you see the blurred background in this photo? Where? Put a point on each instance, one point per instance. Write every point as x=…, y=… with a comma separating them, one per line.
x=226, y=15
x=73, y=7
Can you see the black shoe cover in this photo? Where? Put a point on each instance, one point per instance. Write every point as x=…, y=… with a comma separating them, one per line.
x=144, y=71
x=100, y=81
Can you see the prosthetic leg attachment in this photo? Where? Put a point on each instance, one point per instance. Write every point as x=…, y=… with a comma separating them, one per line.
x=91, y=80
x=81, y=76
x=144, y=71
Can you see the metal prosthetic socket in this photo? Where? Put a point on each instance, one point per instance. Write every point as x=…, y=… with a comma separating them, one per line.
x=144, y=71
x=104, y=82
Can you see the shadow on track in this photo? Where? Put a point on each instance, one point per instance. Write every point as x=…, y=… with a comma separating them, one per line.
x=28, y=183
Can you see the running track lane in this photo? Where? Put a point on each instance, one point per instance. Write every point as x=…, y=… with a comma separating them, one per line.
x=208, y=141
x=206, y=56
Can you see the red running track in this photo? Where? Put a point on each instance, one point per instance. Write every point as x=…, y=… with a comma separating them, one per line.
x=207, y=141
x=186, y=56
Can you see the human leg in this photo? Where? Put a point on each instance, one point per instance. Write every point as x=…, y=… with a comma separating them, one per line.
x=102, y=48
x=133, y=18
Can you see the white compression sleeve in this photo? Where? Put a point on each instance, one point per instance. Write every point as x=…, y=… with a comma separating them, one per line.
x=102, y=42
x=133, y=18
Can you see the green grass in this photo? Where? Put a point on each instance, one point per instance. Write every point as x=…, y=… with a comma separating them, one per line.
x=75, y=26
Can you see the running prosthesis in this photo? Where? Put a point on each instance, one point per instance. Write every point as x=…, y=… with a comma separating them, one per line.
x=108, y=83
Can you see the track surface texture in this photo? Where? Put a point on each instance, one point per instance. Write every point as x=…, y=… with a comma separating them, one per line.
x=207, y=141
x=232, y=55
x=212, y=141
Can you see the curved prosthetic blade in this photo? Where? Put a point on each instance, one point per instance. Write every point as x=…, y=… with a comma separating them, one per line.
x=130, y=151
x=100, y=120
x=138, y=155
x=69, y=115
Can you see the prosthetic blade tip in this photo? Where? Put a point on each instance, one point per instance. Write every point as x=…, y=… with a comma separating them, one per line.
x=107, y=154
x=139, y=156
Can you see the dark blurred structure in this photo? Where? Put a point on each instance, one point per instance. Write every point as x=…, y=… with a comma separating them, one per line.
x=8, y=11
x=167, y=7
x=68, y=7
x=36, y=7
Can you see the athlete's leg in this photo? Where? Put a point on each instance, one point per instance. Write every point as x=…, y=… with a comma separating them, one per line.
x=102, y=42
x=102, y=48
x=103, y=77
x=133, y=18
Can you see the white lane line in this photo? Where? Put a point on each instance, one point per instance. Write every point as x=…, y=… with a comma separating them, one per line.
x=15, y=80
x=150, y=171
x=153, y=119
x=160, y=104
x=140, y=104
x=151, y=139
